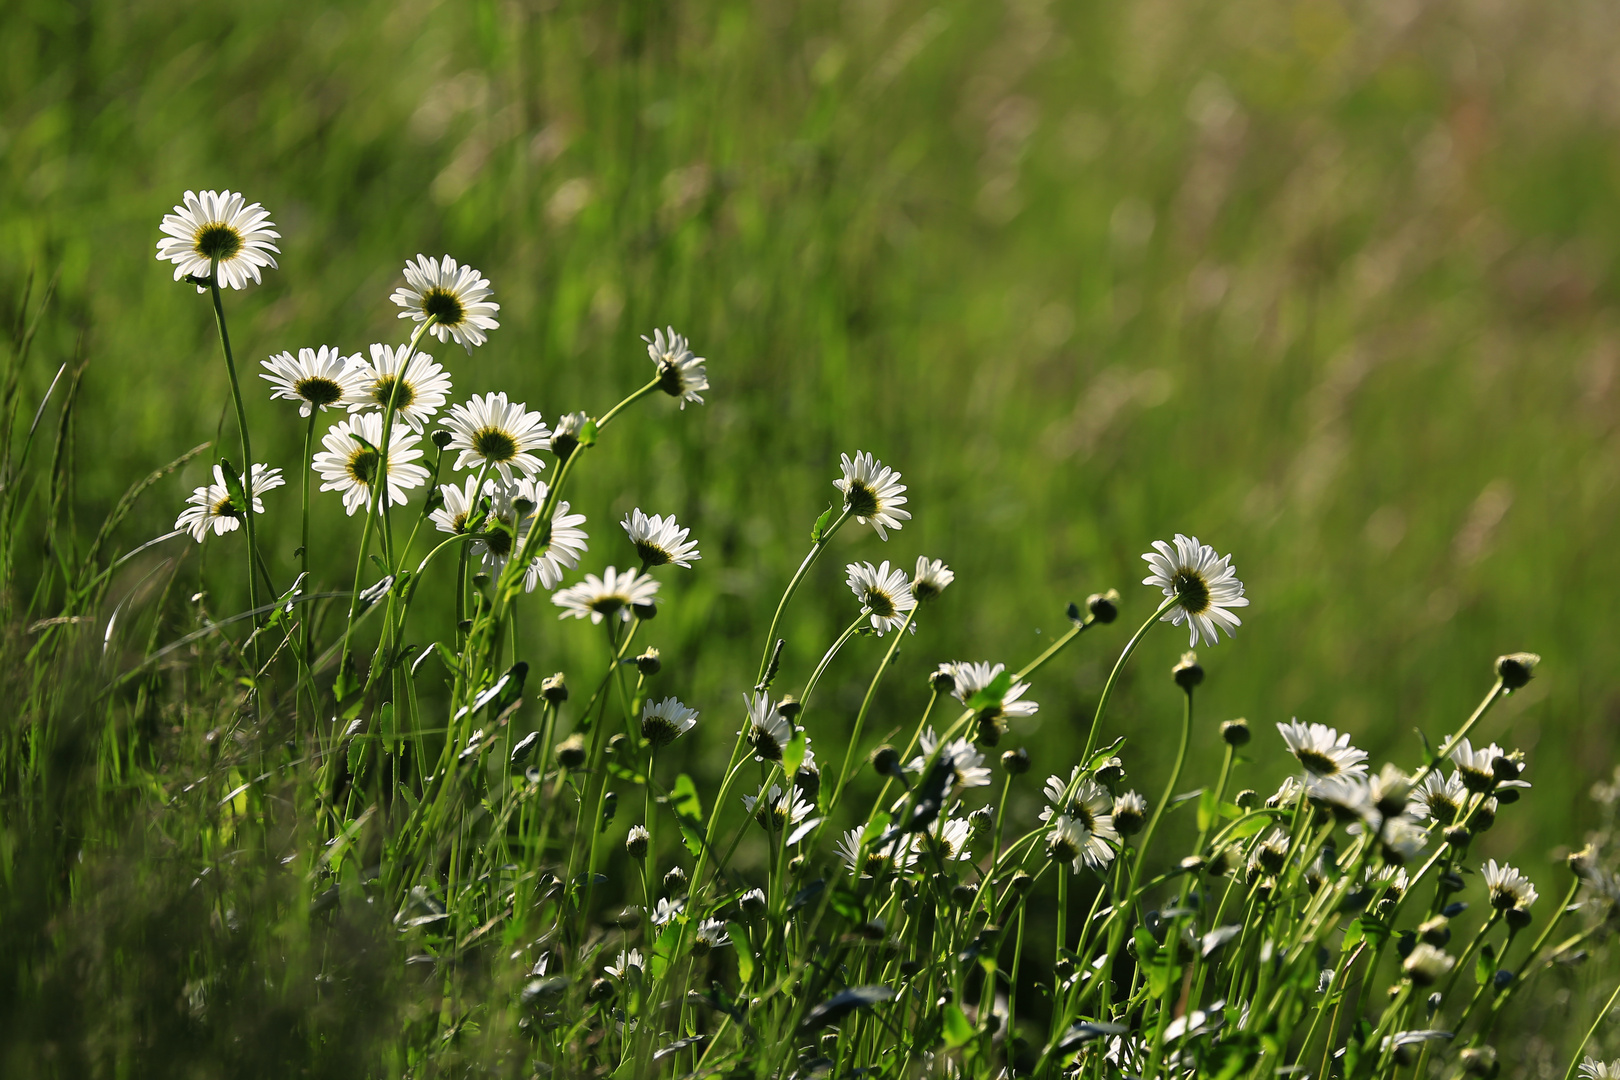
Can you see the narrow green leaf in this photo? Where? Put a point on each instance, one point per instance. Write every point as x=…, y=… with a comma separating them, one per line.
x=1353, y=936
x=958, y=1032
x=992, y=694
x=745, y=953
x=233, y=484
x=793, y=755
x=1207, y=806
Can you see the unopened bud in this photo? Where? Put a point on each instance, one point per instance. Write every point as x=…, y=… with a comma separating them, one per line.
x=1220, y=863
x=1581, y=862
x=1508, y=766
x=789, y=708
x=1021, y=881
x=1192, y=864
x=1104, y=607
x=601, y=990
x=1246, y=798
x=1478, y=1060
x=441, y=438
x=752, y=904
x=571, y=752
x=1457, y=836
x=1016, y=761
x=1484, y=816
x=646, y=611
x=1188, y=673
x=963, y=895
x=990, y=729
x=942, y=679
x=1236, y=732
x=554, y=688
x=886, y=760
x=1517, y=918
x=610, y=806
x=675, y=881
x=648, y=663
x=636, y=842
x=797, y=864
x=1436, y=931
x=1516, y=669
x=619, y=745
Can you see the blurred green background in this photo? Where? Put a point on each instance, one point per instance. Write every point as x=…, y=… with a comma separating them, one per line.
x=1330, y=285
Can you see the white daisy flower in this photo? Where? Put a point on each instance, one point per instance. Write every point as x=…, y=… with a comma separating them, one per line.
x=565, y=436
x=211, y=506
x=316, y=379
x=456, y=296
x=680, y=374
x=778, y=809
x=1269, y=856
x=1393, y=878
x=1129, y=813
x=1071, y=841
x=1508, y=887
x=1390, y=790
x=489, y=430
x=1403, y=840
x=873, y=492
x=1349, y=796
x=422, y=390
x=566, y=546
x=663, y=723
x=884, y=594
x=659, y=540
x=952, y=836
x=970, y=678
x=1091, y=804
x=1426, y=965
x=766, y=729
x=1486, y=769
x=931, y=578
x=963, y=757
x=347, y=466
x=615, y=592
x=1322, y=750
x=628, y=964
x=1440, y=798
x=1593, y=1069
x=458, y=504
x=878, y=859
x=1204, y=587
x=667, y=909
x=218, y=228
x=711, y=934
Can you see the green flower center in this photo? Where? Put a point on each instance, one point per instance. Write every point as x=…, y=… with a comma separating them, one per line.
x=363, y=466
x=493, y=444
x=217, y=241
x=861, y=500
x=318, y=391
x=384, y=387
x=444, y=306
x=1192, y=591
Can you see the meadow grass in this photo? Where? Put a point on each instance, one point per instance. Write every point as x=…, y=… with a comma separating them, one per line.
x=1332, y=286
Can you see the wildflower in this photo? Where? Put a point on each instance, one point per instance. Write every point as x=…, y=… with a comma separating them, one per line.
x=952, y=835
x=1516, y=669
x=970, y=678
x=1402, y=840
x=457, y=506
x=808, y=778
x=1487, y=768
x=1203, y=587
x=1389, y=790
x=667, y=909
x=766, y=729
x=1236, y=732
x=872, y=492
x=614, y=593
x=930, y=579
x=317, y=379
x=778, y=809
x=490, y=431
x=1016, y=761
x=1393, y=878
x=213, y=507
x=565, y=436
x=1509, y=889
x=752, y=904
x=1439, y=798
x=877, y=859
x=1425, y=965
x=218, y=233
x=1129, y=813
x=1322, y=750
x=1270, y=855
x=659, y=540
x=1072, y=840
x=650, y=661
x=1287, y=793
x=417, y=385
x=629, y=964
x=663, y=723
x=883, y=593
x=454, y=296
x=680, y=374
x=966, y=762
x=349, y=465
x=562, y=552
x=711, y=934
x=636, y=842
x=1347, y=795
x=675, y=881
x=1188, y=672
x=1593, y=1069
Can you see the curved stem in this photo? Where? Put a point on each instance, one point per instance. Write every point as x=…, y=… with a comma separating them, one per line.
x=1113, y=676
x=241, y=423
x=1574, y=1062
x=793, y=587
x=866, y=703
x=303, y=548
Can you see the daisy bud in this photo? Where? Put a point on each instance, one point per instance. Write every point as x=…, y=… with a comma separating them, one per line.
x=1457, y=836
x=1188, y=673
x=554, y=689
x=1246, y=798
x=1451, y=881
x=619, y=745
x=886, y=760
x=648, y=662
x=1192, y=864
x=1508, y=766
x=1129, y=813
x=1425, y=965
x=1436, y=931
x=1581, y=862
x=636, y=842
x=645, y=610
x=789, y=708
x=1021, y=882
x=675, y=881
x=1016, y=761
x=1236, y=732
x=628, y=918
x=752, y=904
x=1515, y=669
x=1484, y=816
x=1104, y=607
x=481, y=579
x=441, y=438
x=1517, y=918
x=981, y=820
x=797, y=864
x=1109, y=773
x=990, y=729
x=963, y=895
x=601, y=990
x=565, y=437
x=943, y=680
x=571, y=752
x=1501, y=980
x=1478, y=1060
x=1220, y=863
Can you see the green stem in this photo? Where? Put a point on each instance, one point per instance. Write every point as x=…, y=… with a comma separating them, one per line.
x=1574, y=1062
x=866, y=703
x=793, y=586
x=247, y=443
x=1113, y=676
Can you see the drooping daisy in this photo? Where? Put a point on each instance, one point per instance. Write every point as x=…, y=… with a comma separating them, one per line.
x=966, y=762
x=614, y=593
x=212, y=507
x=1440, y=798
x=1322, y=750
x=884, y=594
x=348, y=466
x=316, y=379
x=456, y=296
x=458, y=504
x=766, y=729
x=420, y=392
x=778, y=809
x=680, y=374
x=218, y=229
x=627, y=965
x=663, y=723
x=931, y=578
x=659, y=540
x=711, y=934
x=568, y=543
x=491, y=431
x=1509, y=888
x=873, y=492
x=1402, y=839
x=951, y=836
x=970, y=678
x=1488, y=768
x=1203, y=586
x=1390, y=790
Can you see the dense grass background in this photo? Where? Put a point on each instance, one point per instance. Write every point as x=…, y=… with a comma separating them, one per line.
x=1331, y=285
